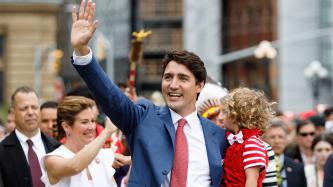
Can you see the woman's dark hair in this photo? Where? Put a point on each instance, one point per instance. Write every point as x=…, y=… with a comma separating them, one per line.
x=321, y=137
x=300, y=123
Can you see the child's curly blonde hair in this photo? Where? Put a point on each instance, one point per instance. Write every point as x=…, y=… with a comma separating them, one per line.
x=248, y=108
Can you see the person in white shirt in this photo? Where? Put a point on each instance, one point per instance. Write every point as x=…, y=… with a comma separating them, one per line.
x=22, y=150
x=322, y=147
x=80, y=161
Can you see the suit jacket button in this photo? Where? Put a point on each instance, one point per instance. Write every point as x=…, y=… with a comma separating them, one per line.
x=164, y=172
x=26, y=178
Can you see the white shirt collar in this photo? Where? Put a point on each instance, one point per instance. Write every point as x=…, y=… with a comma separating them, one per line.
x=192, y=117
x=23, y=138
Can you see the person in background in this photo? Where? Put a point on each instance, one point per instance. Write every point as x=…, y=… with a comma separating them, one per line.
x=289, y=173
x=2, y=132
x=270, y=179
x=209, y=102
x=48, y=115
x=328, y=172
x=322, y=147
x=80, y=161
x=301, y=152
x=328, y=115
x=21, y=151
x=319, y=123
x=10, y=122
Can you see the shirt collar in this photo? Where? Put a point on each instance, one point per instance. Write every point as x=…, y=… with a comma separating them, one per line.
x=281, y=158
x=189, y=118
x=23, y=138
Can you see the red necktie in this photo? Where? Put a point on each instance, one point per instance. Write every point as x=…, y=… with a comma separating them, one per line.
x=36, y=172
x=180, y=162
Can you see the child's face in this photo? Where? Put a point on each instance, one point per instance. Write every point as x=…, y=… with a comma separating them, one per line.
x=227, y=121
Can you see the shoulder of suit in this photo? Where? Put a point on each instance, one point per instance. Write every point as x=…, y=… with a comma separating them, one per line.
x=144, y=101
x=11, y=139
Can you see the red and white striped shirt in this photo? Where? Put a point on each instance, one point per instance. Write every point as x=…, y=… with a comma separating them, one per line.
x=254, y=153
x=249, y=153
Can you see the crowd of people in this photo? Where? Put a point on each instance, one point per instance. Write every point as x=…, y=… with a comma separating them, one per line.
x=199, y=135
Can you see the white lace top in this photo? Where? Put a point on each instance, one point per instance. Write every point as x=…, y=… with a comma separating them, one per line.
x=100, y=169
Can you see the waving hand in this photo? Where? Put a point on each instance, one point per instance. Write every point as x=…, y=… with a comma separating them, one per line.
x=83, y=27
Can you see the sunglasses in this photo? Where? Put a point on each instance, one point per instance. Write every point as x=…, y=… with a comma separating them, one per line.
x=307, y=134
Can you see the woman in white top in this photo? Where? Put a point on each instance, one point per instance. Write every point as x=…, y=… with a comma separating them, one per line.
x=322, y=147
x=80, y=161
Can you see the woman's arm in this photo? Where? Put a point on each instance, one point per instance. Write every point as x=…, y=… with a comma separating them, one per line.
x=58, y=167
x=252, y=175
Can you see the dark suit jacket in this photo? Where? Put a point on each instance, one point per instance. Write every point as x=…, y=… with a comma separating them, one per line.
x=295, y=173
x=13, y=163
x=1, y=181
x=294, y=153
x=328, y=172
x=149, y=131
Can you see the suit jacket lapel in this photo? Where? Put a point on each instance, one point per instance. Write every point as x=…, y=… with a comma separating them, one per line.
x=167, y=121
x=49, y=143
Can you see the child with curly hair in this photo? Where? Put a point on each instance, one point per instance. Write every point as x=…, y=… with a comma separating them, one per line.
x=246, y=113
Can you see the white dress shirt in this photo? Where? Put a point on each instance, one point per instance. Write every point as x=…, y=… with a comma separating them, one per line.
x=198, y=167
x=38, y=145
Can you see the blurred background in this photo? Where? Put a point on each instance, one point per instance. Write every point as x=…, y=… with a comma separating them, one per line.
x=282, y=47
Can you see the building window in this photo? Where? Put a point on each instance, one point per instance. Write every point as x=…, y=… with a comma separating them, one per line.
x=164, y=39
x=160, y=9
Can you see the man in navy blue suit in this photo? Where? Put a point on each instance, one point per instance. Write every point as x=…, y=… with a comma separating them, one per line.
x=151, y=130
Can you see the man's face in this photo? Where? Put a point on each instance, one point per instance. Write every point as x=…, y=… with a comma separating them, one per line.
x=26, y=111
x=276, y=137
x=306, y=135
x=179, y=88
x=48, y=119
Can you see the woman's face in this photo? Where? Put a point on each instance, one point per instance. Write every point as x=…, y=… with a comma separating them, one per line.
x=83, y=130
x=321, y=151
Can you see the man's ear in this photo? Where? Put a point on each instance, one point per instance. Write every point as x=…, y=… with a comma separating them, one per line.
x=200, y=86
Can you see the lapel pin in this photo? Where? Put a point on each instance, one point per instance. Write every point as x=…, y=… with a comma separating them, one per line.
x=289, y=169
x=97, y=160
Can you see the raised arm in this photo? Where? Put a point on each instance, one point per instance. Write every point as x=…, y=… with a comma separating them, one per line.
x=83, y=27
x=121, y=110
x=59, y=167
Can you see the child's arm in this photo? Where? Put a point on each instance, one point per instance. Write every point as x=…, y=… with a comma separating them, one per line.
x=252, y=175
x=254, y=160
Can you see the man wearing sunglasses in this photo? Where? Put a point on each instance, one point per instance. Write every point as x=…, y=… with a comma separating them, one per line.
x=305, y=132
